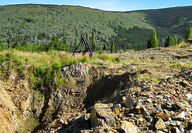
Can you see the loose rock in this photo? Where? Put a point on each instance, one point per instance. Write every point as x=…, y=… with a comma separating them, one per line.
x=160, y=124
x=128, y=127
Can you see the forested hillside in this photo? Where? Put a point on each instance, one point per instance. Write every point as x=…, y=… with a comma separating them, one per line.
x=127, y=30
x=170, y=21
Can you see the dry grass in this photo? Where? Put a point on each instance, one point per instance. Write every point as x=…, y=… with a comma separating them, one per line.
x=64, y=58
x=160, y=62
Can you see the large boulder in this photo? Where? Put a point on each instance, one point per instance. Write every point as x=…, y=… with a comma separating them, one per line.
x=76, y=70
x=101, y=114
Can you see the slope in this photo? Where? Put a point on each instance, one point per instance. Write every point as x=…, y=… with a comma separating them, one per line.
x=128, y=30
x=170, y=21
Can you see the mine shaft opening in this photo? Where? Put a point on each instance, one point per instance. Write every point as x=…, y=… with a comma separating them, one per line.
x=107, y=89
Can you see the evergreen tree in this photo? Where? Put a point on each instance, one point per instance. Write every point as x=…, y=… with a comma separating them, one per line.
x=112, y=47
x=64, y=40
x=189, y=33
x=55, y=43
x=87, y=35
x=52, y=43
x=153, y=43
x=92, y=42
x=1, y=47
x=8, y=42
x=180, y=40
x=104, y=46
x=175, y=40
x=39, y=45
x=64, y=45
x=148, y=44
x=24, y=41
x=171, y=41
x=167, y=42
x=75, y=46
x=16, y=43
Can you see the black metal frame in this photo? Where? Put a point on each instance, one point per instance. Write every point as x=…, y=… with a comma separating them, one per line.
x=84, y=41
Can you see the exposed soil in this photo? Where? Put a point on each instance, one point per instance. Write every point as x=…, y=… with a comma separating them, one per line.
x=151, y=71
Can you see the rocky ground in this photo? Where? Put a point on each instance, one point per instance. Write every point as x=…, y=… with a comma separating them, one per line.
x=143, y=91
x=162, y=107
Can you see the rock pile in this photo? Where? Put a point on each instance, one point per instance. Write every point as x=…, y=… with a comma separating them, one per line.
x=162, y=108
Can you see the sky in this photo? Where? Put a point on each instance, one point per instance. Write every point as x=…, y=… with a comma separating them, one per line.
x=113, y=5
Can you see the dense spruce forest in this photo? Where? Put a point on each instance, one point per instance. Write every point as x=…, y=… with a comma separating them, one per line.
x=61, y=27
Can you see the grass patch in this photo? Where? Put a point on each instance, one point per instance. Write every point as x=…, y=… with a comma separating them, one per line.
x=18, y=131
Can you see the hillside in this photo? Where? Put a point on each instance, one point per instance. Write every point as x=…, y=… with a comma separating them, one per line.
x=170, y=20
x=128, y=30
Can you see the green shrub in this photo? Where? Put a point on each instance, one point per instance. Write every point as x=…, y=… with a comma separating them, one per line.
x=57, y=65
x=59, y=78
x=40, y=71
x=1, y=47
x=85, y=59
x=2, y=58
x=117, y=60
x=103, y=57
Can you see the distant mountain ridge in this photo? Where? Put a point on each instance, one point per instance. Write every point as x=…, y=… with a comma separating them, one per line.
x=128, y=30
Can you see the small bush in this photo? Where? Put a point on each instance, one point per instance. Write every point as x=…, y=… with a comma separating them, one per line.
x=1, y=47
x=2, y=58
x=117, y=60
x=85, y=59
x=104, y=57
x=40, y=71
x=57, y=65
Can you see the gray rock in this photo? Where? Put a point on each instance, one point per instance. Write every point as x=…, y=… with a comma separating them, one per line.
x=158, y=108
x=159, y=97
x=159, y=131
x=149, y=100
x=127, y=102
x=79, y=69
x=100, y=113
x=189, y=96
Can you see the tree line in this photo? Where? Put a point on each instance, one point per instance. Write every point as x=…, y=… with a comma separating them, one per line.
x=55, y=43
x=61, y=44
x=171, y=40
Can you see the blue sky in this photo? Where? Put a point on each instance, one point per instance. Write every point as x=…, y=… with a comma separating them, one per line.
x=116, y=5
